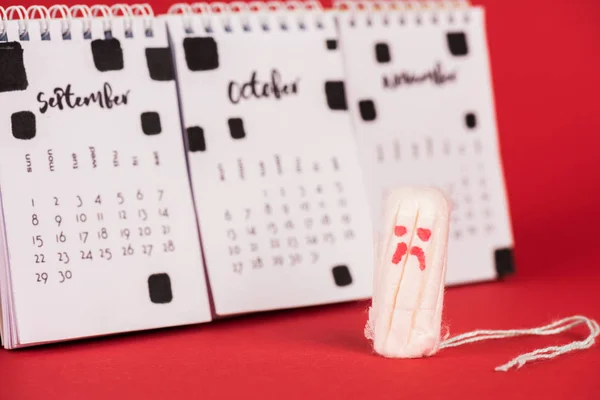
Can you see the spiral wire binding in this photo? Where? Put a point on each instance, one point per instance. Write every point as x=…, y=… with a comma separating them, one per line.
x=284, y=12
x=64, y=16
x=60, y=12
x=124, y=11
x=384, y=10
x=146, y=12
x=22, y=20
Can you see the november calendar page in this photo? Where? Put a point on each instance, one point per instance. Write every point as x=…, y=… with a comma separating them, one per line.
x=420, y=92
x=98, y=214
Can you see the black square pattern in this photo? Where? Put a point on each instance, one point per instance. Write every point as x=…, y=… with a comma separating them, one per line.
x=23, y=125
x=457, y=43
x=471, y=120
x=151, y=123
x=341, y=275
x=382, y=53
x=336, y=95
x=159, y=288
x=367, y=110
x=505, y=263
x=108, y=55
x=201, y=53
x=196, y=140
x=236, y=128
x=12, y=68
x=160, y=64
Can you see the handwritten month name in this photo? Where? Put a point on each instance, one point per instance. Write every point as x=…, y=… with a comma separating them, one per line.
x=274, y=88
x=436, y=76
x=65, y=98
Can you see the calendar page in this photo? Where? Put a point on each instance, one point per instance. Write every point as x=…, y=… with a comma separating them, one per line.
x=98, y=212
x=277, y=184
x=420, y=93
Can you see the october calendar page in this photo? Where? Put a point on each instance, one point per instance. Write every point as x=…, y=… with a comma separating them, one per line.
x=98, y=212
x=274, y=166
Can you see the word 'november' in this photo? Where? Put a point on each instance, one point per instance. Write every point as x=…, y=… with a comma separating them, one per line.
x=436, y=76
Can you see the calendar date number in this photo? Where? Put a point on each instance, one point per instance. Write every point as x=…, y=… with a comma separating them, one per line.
x=60, y=277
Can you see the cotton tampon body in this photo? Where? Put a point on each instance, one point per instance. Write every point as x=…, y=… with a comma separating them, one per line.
x=410, y=268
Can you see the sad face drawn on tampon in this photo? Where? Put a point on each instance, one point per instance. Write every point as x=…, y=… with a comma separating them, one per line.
x=423, y=234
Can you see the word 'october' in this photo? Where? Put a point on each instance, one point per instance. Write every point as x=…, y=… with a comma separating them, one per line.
x=62, y=98
x=255, y=88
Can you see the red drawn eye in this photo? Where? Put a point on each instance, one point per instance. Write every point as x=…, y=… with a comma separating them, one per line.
x=424, y=234
x=399, y=230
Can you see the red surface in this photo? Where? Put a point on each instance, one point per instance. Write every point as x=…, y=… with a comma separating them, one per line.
x=545, y=59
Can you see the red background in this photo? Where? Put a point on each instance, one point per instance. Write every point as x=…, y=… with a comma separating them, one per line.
x=545, y=61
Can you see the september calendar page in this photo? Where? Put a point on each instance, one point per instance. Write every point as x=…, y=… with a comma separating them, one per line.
x=98, y=213
x=275, y=174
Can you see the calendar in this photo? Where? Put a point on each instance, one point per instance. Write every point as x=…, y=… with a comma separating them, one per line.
x=225, y=159
x=420, y=93
x=99, y=228
x=273, y=162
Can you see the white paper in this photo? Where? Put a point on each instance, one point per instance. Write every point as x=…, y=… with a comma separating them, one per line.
x=419, y=135
x=121, y=228
x=283, y=212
